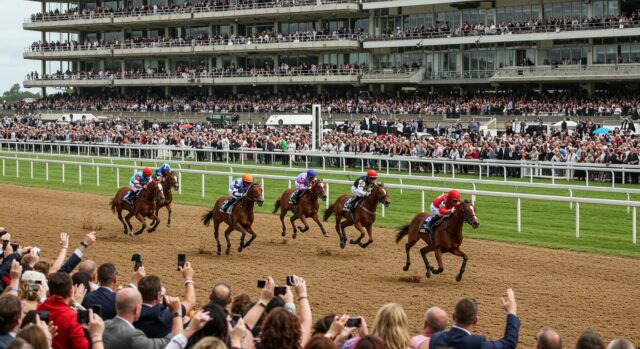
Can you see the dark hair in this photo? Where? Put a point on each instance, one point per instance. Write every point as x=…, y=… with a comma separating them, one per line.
x=320, y=342
x=466, y=311
x=323, y=325
x=42, y=266
x=106, y=273
x=370, y=342
x=274, y=303
x=83, y=278
x=10, y=311
x=280, y=330
x=149, y=286
x=590, y=340
x=217, y=327
x=240, y=303
x=35, y=336
x=59, y=284
x=223, y=302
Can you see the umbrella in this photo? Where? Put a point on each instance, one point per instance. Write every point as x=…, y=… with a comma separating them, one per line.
x=601, y=130
x=186, y=126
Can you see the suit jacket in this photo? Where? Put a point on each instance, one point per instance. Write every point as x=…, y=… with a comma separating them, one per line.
x=459, y=339
x=120, y=334
x=5, y=339
x=70, y=263
x=103, y=297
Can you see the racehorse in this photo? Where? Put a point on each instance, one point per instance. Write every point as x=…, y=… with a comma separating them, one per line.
x=240, y=219
x=146, y=206
x=307, y=206
x=365, y=214
x=447, y=237
x=170, y=181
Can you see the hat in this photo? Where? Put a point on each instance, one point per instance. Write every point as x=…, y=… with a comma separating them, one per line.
x=31, y=276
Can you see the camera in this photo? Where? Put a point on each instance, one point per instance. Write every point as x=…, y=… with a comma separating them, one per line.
x=137, y=261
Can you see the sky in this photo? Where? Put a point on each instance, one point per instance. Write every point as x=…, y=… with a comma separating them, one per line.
x=14, y=39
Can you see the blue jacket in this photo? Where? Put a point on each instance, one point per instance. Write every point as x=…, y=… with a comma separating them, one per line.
x=103, y=297
x=459, y=339
x=161, y=169
x=155, y=321
x=138, y=179
x=5, y=339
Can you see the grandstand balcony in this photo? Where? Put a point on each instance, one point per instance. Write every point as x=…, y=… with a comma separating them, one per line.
x=393, y=76
x=383, y=4
x=568, y=73
x=302, y=9
x=538, y=33
x=318, y=43
x=319, y=77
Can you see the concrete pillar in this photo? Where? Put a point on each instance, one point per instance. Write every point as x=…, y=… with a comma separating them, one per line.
x=210, y=91
x=373, y=26
x=590, y=52
x=459, y=61
x=234, y=89
x=123, y=67
x=167, y=91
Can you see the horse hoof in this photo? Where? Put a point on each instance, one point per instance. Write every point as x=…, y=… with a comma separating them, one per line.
x=428, y=274
x=139, y=232
x=353, y=242
x=227, y=252
x=219, y=252
x=294, y=235
x=342, y=244
x=405, y=268
x=326, y=236
x=458, y=278
x=283, y=233
x=168, y=225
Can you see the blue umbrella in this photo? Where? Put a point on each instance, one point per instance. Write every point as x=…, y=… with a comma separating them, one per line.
x=601, y=130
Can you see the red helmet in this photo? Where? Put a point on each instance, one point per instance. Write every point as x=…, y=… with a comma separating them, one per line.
x=453, y=195
x=146, y=171
x=372, y=174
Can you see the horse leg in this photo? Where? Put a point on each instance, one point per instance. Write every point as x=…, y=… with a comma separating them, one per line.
x=154, y=224
x=343, y=238
x=253, y=236
x=283, y=213
x=144, y=223
x=226, y=237
x=370, y=233
x=440, y=269
x=411, y=241
x=127, y=219
x=458, y=252
x=293, y=219
x=216, y=228
x=242, y=231
x=423, y=252
x=317, y=220
x=169, y=219
x=339, y=230
x=126, y=229
x=303, y=219
x=360, y=229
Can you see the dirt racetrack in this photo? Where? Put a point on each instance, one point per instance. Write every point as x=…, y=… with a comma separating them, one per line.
x=566, y=290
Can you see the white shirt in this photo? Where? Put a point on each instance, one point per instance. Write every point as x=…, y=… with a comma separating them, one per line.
x=462, y=329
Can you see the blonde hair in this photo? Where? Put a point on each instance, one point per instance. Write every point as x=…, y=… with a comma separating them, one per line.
x=210, y=343
x=391, y=325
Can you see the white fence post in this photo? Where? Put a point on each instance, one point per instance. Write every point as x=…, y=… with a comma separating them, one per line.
x=326, y=203
x=97, y=176
x=264, y=192
x=46, y=171
x=633, y=230
x=180, y=183
x=31, y=166
x=289, y=184
x=118, y=177
x=577, y=220
x=17, y=168
x=382, y=210
x=571, y=196
x=62, y=173
x=422, y=201
x=203, y=185
x=518, y=215
x=80, y=174
x=3, y=168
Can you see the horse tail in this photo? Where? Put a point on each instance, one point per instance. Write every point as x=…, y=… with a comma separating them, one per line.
x=277, y=206
x=207, y=217
x=328, y=212
x=113, y=205
x=404, y=231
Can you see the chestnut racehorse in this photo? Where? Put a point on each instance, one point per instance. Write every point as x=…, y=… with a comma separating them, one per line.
x=145, y=204
x=170, y=181
x=447, y=237
x=365, y=214
x=307, y=206
x=240, y=219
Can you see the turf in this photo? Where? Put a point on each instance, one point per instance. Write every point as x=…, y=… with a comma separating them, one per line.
x=603, y=229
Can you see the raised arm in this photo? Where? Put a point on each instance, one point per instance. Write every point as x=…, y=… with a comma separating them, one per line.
x=304, y=312
x=64, y=246
x=253, y=315
x=189, y=301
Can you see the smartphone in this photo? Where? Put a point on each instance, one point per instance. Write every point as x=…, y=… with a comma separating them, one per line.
x=234, y=319
x=290, y=280
x=262, y=283
x=44, y=316
x=83, y=317
x=354, y=322
x=280, y=291
x=34, y=288
x=181, y=259
x=97, y=309
x=135, y=257
x=5, y=243
x=15, y=247
x=137, y=265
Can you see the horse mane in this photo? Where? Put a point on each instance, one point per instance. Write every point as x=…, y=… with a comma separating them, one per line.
x=467, y=201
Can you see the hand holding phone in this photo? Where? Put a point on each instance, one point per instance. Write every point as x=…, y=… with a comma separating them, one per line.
x=44, y=316
x=83, y=317
x=234, y=319
x=354, y=322
x=290, y=280
x=280, y=291
x=182, y=258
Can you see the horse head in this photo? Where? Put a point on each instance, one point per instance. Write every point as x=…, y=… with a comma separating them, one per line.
x=381, y=194
x=469, y=213
x=255, y=194
x=318, y=189
x=157, y=194
x=171, y=181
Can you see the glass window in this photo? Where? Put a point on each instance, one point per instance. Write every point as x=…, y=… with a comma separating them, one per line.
x=112, y=36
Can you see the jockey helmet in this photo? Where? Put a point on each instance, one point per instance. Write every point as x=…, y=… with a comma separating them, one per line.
x=372, y=174
x=454, y=196
x=312, y=173
x=166, y=168
x=247, y=178
x=146, y=172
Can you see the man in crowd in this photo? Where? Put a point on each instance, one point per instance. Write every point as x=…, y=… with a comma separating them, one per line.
x=10, y=311
x=548, y=338
x=435, y=320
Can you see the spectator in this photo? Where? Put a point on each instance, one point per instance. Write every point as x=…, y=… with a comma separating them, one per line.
x=217, y=326
x=221, y=295
x=590, y=340
x=466, y=317
x=620, y=343
x=320, y=342
x=36, y=336
x=435, y=320
x=33, y=290
x=210, y=343
x=88, y=266
x=548, y=338
x=370, y=342
x=10, y=312
x=70, y=332
x=240, y=304
x=104, y=296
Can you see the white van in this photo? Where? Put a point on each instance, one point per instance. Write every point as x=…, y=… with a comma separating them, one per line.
x=289, y=120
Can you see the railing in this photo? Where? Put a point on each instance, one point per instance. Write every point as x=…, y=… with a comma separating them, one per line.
x=391, y=74
x=192, y=43
x=344, y=161
x=423, y=189
x=237, y=6
x=567, y=70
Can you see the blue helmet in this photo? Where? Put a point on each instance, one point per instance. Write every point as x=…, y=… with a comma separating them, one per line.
x=311, y=173
x=166, y=168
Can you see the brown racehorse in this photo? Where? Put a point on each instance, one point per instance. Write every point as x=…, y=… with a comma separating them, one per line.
x=365, y=214
x=146, y=204
x=307, y=206
x=170, y=181
x=240, y=219
x=447, y=237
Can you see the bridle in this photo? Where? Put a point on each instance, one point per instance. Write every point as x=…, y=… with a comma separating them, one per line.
x=464, y=218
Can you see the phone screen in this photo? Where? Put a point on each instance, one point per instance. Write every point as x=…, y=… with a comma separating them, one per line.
x=235, y=319
x=83, y=317
x=354, y=322
x=290, y=280
x=280, y=291
x=181, y=259
x=137, y=265
x=14, y=247
x=4, y=244
x=97, y=309
x=44, y=316
x=262, y=283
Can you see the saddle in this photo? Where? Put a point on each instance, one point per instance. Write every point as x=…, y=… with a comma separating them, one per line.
x=230, y=208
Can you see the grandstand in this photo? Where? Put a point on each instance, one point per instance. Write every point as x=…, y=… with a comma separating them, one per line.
x=222, y=47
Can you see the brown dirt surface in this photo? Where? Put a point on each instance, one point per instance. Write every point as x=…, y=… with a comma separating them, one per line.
x=566, y=290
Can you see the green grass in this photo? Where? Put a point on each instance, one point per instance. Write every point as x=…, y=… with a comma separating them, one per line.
x=603, y=229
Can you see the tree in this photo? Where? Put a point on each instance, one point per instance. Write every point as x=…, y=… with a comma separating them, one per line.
x=15, y=95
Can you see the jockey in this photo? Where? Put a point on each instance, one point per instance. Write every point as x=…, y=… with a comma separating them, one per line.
x=162, y=171
x=361, y=188
x=237, y=189
x=303, y=182
x=443, y=205
x=137, y=183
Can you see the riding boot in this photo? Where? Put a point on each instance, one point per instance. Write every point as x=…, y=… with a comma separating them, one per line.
x=431, y=224
x=293, y=200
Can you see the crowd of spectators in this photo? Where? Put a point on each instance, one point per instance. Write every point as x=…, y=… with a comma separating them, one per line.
x=74, y=303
